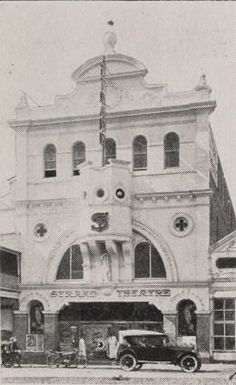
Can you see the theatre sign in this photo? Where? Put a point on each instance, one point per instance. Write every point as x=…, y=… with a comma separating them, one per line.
x=117, y=293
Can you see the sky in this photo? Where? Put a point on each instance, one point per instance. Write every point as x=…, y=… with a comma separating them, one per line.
x=42, y=43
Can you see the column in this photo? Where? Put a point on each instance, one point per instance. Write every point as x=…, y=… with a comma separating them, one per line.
x=113, y=251
x=20, y=327
x=50, y=330
x=203, y=333
x=86, y=260
x=170, y=324
x=94, y=252
x=128, y=260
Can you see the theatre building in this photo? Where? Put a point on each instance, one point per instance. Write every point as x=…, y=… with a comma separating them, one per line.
x=122, y=240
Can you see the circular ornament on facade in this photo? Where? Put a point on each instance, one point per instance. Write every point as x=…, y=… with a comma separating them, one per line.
x=40, y=231
x=181, y=225
x=120, y=194
x=101, y=193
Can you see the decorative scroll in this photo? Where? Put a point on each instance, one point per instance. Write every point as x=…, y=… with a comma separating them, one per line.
x=101, y=220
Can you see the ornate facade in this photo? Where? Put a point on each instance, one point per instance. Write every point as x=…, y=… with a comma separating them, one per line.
x=125, y=244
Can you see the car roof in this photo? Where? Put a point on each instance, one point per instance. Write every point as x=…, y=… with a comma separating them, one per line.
x=130, y=333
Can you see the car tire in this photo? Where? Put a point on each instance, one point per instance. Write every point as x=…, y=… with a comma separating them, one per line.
x=53, y=361
x=7, y=362
x=190, y=363
x=128, y=362
x=199, y=365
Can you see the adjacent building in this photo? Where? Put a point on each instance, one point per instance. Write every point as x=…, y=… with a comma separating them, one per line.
x=131, y=240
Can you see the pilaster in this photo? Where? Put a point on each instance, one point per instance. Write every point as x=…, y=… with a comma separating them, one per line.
x=170, y=324
x=50, y=330
x=20, y=327
x=203, y=333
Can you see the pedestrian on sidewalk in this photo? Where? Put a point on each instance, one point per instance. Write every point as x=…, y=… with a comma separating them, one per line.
x=15, y=353
x=82, y=350
x=112, y=346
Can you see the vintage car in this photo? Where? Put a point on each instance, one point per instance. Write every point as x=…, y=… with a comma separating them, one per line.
x=137, y=347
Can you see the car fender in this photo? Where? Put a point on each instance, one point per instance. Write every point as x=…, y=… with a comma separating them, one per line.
x=127, y=351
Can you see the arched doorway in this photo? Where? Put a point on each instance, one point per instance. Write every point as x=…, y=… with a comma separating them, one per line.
x=98, y=321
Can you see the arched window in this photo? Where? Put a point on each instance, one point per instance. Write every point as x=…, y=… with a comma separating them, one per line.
x=78, y=156
x=148, y=262
x=110, y=149
x=50, y=165
x=140, y=153
x=171, y=148
x=186, y=318
x=71, y=265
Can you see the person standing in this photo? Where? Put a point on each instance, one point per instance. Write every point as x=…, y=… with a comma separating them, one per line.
x=14, y=351
x=112, y=347
x=82, y=350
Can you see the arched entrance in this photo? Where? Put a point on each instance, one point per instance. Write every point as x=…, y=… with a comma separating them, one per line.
x=99, y=321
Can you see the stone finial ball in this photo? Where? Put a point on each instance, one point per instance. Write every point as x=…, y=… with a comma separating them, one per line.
x=109, y=40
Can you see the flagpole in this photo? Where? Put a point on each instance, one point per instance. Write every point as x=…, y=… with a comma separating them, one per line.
x=103, y=109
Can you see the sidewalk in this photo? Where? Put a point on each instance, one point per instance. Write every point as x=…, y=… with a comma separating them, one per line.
x=149, y=374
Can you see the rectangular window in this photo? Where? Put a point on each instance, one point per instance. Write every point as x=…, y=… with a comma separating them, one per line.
x=224, y=324
x=50, y=173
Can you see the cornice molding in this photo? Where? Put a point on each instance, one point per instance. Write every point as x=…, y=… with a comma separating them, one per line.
x=121, y=285
x=22, y=124
x=178, y=195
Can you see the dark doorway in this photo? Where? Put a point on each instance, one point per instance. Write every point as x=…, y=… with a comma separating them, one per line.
x=99, y=321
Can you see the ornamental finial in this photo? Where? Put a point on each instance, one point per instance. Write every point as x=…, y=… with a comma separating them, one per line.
x=202, y=84
x=109, y=40
x=23, y=102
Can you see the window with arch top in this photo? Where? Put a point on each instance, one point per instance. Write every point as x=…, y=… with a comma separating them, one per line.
x=110, y=149
x=78, y=156
x=140, y=153
x=71, y=265
x=50, y=166
x=171, y=149
x=148, y=262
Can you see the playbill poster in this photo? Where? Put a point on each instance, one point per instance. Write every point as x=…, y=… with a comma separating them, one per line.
x=117, y=192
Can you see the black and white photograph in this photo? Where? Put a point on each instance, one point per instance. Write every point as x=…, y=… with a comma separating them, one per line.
x=118, y=192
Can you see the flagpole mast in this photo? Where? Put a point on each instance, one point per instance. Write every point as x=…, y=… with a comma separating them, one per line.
x=103, y=109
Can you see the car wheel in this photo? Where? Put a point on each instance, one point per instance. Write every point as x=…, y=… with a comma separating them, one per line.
x=199, y=365
x=189, y=363
x=128, y=362
x=53, y=361
x=7, y=363
x=138, y=367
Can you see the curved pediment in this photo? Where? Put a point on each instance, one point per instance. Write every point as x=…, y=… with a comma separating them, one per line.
x=126, y=92
x=117, y=66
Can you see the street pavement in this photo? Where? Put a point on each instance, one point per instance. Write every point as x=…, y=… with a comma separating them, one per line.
x=159, y=374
